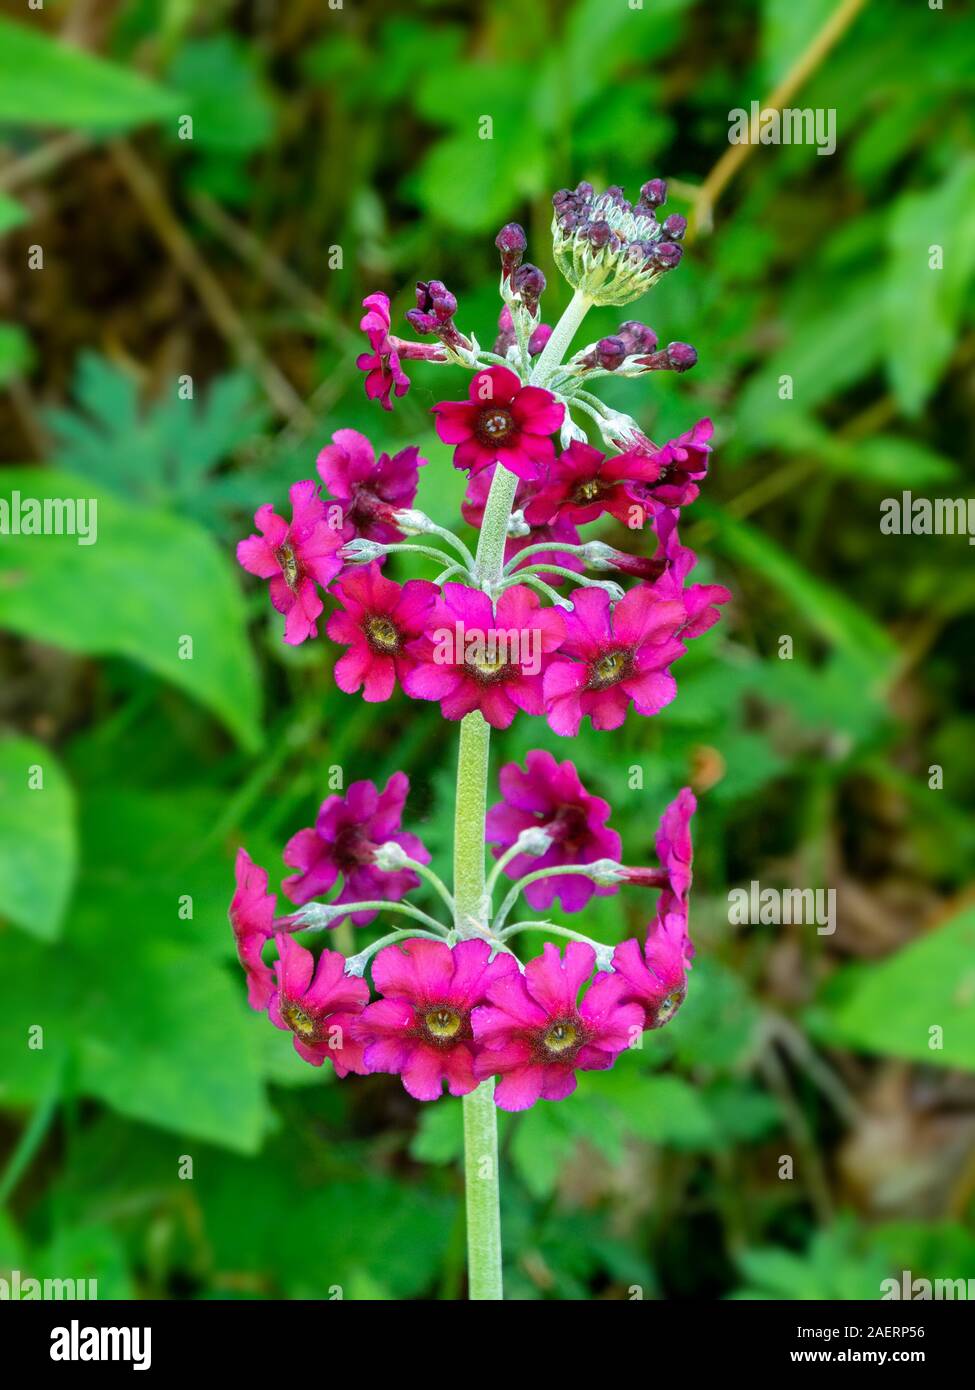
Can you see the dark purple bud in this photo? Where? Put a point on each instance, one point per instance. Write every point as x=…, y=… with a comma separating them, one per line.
x=529, y=283
x=681, y=356
x=511, y=242
x=610, y=353
x=614, y=192
x=666, y=254
x=675, y=357
x=539, y=338
x=599, y=234
x=675, y=226
x=637, y=336
x=562, y=196
x=584, y=190
x=569, y=221
x=654, y=192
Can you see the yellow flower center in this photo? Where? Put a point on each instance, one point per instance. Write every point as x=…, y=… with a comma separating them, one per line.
x=608, y=669
x=442, y=1022
x=289, y=565
x=299, y=1021
x=560, y=1037
x=382, y=634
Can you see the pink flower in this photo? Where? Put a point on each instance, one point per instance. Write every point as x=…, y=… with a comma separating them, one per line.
x=674, y=847
x=381, y=363
x=683, y=462
x=344, y=840
x=535, y=1036
x=656, y=976
x=699, y=600
x=421, y=1029
x=559, y=530
x=550, y=796
x=619, y=658
x=295, y=558
x=473, y=657
x=319, y=1003
x=584, y=484
x=369, y=490
x=376, y=621
x=502, y=422
x=252, y=919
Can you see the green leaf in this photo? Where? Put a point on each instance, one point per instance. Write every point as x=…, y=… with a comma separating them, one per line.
x=148, y=582
x=224, y=94
x=172, y=1044
x=924, y=305
x=38, y=850
x=43, y=82
x=892, y=1008
x=830, y=612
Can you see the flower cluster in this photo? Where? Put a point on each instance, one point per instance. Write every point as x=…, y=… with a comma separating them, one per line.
x=453, y=1009
x=538, y=618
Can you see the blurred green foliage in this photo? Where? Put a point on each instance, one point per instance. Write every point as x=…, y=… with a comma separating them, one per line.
x=359, y=129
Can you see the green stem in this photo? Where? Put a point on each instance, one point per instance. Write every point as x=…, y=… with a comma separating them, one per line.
x=562, y=334
x=481, y=1176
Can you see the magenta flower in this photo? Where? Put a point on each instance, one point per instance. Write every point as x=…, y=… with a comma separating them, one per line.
x=252, y=920
x=421, y=1029
x=369, y=490
x=674, y=847
x=295, y=558
x=550, y=796
x=376, y=621
x=699, y=600
x=473, y=657
x=344, y=840
x=584, y=484
x=683, y=462
x=619, y=658
x=535, y=1036
x=381, y=363
x=502, y=422
x=318, y=1003
x=655, y=977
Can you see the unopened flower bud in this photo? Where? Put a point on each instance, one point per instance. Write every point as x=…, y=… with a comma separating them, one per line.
x=675, y=357
x=675, y=226
x=637, y=336
x=529, y=283
x=571, y=433
x=512, y=243
x=654, y=192
x=610, y=353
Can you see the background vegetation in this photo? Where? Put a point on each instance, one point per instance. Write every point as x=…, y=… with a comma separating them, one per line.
x=356, y=128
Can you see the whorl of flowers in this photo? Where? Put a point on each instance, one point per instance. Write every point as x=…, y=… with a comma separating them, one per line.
x=566, y=628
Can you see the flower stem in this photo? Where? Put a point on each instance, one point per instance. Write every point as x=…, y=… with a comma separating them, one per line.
x=562, y=335
x=481, y=1177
